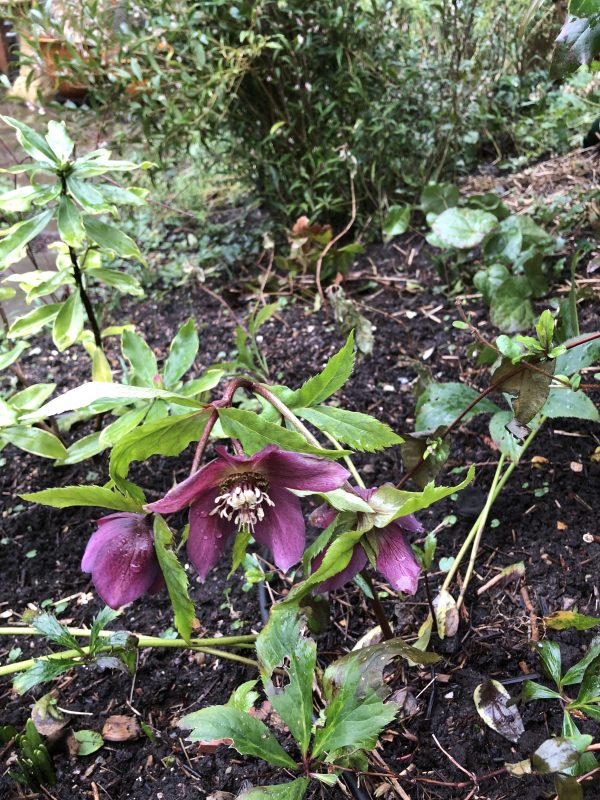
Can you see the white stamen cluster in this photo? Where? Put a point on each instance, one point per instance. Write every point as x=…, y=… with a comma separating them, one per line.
x=242, y=503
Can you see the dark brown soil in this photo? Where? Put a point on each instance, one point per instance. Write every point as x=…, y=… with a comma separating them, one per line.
x=542, y=528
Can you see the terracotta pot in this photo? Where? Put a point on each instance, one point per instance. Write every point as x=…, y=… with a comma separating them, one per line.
x=53, y=51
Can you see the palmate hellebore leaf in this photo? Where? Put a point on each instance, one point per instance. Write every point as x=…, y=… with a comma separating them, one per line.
x=491, y=700
x=361, y=431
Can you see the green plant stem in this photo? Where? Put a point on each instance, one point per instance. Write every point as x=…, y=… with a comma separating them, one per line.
x=500, y=485
x=481, y=523
x=347, y=460
x=285, y=412
x=143, y=641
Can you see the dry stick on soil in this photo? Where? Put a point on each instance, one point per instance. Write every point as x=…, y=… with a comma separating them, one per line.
x=535, y=634
x=333, y=241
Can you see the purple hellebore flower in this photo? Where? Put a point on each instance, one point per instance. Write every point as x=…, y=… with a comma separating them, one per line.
x=395, y=559
x=249, y=493
x=121, y=558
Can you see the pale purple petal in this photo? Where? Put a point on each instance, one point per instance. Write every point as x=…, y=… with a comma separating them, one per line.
x=121, y=558
x=357, y=562
x=282, y=529
x=189, y=490
x=323, y=516
x=395, y=559
x=301, y=471
x=209, y=534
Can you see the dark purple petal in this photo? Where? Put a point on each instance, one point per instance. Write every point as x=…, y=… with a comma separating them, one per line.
x=121, y=558
x=282, y=529
x=189, y=490
x=209, y=534
x=301, y=471
x=357, y=562
x=395, y=559
x=252, y=463
x=410, y=523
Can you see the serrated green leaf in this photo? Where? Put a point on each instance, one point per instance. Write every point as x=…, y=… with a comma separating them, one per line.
x=244, y=697
x=335, y=374
x=50, y=627
x=254, y=434
x=175, y=577
x=361, y=431
x=95, y=496
x=41, y=672
x=166, y=437
x=249, y=735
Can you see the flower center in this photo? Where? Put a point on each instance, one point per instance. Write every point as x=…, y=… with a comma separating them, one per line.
x=242, y=498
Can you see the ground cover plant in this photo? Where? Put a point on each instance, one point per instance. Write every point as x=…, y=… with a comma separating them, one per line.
x=316, y=519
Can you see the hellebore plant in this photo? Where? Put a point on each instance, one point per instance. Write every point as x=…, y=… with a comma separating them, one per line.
x=250, y=494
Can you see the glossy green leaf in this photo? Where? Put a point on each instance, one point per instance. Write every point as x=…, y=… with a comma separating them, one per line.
x=535, y=691
x=549, y=653
x=19, y=200
x=111, y=239
x=122, y=425
x=59, y=140
x=41, y=672
x=34, y=321
x=12, y=355
x=577, y=358
x=14, y=240
x=281, y=791
x=32, y=397
x=70, y=223
x=249, y=735
x=575, y=673
x=88, y=197
x=182, y=353
x=83, y=448
x=34, y=440
x=68, y=323
x=175, y=577
x=118, y=280
x=577, y=43
x=563, y=402
x=568, y=620
x=244, y=697
x=140, y=356
x=32, y=142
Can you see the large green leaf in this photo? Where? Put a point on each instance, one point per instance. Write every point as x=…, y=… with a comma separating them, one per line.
x=463, y=228
x=249, y=736
x=82, y=396
x=13, y=240
x=396, y=222
x=34, y=321
x=111, y=239
x=575, y=673
x=578, y=43
x=88, y=197
x=32, y=397
x=182, y=353
x=567, y=403
x=119, y=280
x=589, y=692
x=281, y=641
x=166, y=437
x=140, y=356
x=34, y=440
x=32, y=142
x=68, y=323
x=68, y=496
x=114, y=432
x=510, y=307
x=579, y=357
x=441, y=403
x=10, y=356
x=175, y=577
x=59, y=140
x=20, y=199
x=335, y=374
x=361, y=431
x=70, y=223
x=281, y=791
x=254, y=434
x=528, y=387
x=352, y=719
x=560, y=752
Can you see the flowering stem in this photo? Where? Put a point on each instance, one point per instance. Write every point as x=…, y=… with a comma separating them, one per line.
x=480, y=527
x=143, y=641
x=210, y=424
x=496, y=491
x=347, y=460
x=285, y=412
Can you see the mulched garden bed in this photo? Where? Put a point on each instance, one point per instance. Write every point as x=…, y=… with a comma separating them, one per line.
x=547, y=507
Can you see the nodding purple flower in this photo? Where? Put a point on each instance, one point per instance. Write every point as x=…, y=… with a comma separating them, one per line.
x=122, y=560
x=394, y=557
x=249, y=493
